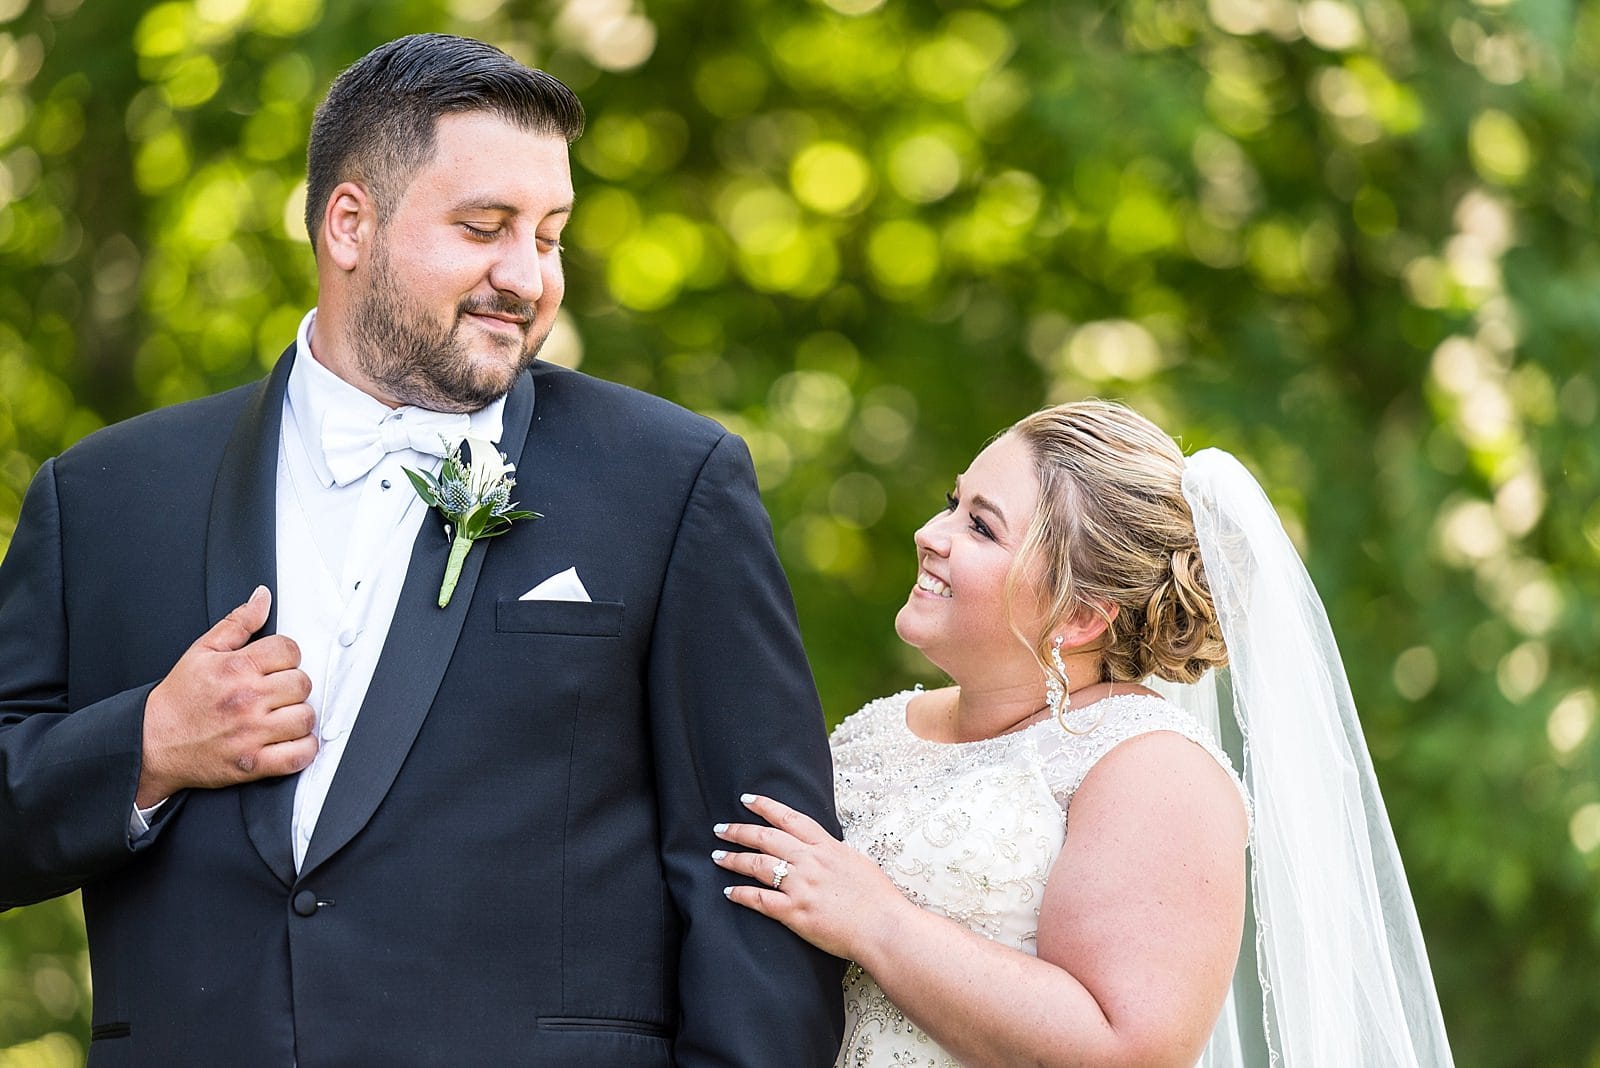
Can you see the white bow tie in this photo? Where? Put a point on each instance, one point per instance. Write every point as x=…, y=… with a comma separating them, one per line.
x=353, y=446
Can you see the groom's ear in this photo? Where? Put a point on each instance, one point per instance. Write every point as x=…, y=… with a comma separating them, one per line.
x=348, y=223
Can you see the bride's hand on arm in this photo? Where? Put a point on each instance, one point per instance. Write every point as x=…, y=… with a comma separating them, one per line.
x=1138, y=927
x=831, y=895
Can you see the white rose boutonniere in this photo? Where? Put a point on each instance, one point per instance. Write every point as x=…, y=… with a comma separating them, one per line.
x=475, y=501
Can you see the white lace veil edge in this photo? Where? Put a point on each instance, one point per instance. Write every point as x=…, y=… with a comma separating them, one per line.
x=1343, y=973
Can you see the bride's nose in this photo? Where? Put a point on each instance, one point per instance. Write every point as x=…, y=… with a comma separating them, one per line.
x=933, y=536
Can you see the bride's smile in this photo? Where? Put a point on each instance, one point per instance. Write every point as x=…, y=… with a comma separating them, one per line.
x=957, y=612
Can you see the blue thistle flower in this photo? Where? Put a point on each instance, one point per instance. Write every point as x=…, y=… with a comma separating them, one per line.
x=499, y=497
x=454, y=497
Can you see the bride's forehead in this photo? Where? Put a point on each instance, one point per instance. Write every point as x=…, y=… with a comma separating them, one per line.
x=1005, y=461
x=1004, y=472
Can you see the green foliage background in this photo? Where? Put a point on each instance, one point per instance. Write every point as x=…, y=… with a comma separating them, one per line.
x=1354, y=241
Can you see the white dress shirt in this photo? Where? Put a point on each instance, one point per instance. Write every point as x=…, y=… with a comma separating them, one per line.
x=342, y=555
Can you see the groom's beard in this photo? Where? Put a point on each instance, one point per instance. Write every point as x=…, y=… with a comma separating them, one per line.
x=417, y=363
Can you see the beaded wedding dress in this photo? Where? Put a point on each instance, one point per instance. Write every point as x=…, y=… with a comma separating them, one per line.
x=969, y=831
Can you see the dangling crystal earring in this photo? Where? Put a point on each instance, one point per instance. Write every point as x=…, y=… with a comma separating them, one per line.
x=1055, y=683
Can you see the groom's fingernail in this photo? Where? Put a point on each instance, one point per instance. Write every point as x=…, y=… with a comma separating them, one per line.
x=719, y=828
x=747, y=798
x=718, y=854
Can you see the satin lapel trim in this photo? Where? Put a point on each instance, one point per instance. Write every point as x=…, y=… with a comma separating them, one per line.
x=241, y=554
x=421, y=641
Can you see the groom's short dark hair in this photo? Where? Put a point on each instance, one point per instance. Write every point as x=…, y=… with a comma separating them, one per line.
x=377, y=123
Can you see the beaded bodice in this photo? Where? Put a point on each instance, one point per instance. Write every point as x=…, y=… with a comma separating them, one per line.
x=968, y=830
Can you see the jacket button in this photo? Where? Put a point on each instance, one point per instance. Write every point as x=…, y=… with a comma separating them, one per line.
x=305, y=903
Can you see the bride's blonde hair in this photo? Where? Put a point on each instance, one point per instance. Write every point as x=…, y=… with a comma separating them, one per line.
x=1112, y=530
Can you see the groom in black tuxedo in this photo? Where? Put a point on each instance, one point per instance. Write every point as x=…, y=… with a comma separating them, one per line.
x=319, y=820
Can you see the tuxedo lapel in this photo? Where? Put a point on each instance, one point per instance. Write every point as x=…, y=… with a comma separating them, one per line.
x=421, y=641
x=241, y=554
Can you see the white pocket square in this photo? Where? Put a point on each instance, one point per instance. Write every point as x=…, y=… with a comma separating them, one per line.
x=563, y=587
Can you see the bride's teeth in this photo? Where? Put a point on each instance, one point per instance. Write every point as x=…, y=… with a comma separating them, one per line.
x=932, y=585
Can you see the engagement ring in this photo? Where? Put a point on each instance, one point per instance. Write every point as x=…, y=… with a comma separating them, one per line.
x=779, y=870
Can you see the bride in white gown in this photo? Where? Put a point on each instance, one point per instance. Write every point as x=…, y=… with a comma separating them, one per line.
x=1045, y=863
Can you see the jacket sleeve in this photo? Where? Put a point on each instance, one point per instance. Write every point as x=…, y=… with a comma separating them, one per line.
x=67, y=777
x=734, y=709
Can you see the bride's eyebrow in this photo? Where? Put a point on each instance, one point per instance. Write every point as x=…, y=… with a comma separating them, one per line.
x=980, y=502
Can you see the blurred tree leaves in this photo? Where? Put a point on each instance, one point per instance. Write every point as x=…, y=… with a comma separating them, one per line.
x=1354, y=242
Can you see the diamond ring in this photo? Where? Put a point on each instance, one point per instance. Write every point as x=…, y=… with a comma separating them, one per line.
x=779, y=870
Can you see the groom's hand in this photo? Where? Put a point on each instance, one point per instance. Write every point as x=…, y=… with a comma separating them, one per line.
x=230, y=711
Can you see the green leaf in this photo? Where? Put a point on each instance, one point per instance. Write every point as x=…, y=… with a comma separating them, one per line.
x=473, y=523
x=424, y=485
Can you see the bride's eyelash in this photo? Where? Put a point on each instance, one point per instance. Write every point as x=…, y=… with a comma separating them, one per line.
x=952, y=502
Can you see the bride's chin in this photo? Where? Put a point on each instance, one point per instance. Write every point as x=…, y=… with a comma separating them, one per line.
x=905, y=626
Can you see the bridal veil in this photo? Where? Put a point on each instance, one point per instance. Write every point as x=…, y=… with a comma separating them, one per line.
x=1343, y=974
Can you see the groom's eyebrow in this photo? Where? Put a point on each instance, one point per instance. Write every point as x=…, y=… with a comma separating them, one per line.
x=500, y=207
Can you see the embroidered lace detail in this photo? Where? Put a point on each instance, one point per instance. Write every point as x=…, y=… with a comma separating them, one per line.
x=969, y=830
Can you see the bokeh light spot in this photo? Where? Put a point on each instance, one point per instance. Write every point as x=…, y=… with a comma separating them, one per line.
x=812, y=400
x=1416, y=672
x=924, y=168
x=1571, y=721
x=1584, y=827
x=903, y=255
x=1499, y=148
x=831, y=177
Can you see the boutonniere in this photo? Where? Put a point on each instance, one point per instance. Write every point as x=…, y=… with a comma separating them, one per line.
x=474, y=500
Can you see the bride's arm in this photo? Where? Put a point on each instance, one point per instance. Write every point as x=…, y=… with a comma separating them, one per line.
x=1138, y=930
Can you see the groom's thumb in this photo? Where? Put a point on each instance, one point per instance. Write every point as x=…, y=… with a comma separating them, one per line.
x=234, y=629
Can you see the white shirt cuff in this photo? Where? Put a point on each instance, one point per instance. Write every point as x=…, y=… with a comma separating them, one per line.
x=139, y=820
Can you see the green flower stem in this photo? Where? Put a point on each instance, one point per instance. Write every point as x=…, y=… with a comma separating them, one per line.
x=452, y=569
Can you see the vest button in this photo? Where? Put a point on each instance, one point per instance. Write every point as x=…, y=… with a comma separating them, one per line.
x=305, y=903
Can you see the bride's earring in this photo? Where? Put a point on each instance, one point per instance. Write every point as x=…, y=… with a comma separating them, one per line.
x=1055, y=683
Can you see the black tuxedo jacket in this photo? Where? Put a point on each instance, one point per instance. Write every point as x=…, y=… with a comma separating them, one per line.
x=512, y=865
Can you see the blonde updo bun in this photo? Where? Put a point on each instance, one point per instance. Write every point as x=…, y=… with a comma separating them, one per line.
x=1183, y=638
x=1112, y=534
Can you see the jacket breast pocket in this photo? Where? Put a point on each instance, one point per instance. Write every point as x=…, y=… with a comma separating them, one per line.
x=110, y=1045
x=584, y=619
x=614, y=1043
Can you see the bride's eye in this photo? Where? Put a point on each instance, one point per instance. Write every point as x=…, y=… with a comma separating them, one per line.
x=951, y=501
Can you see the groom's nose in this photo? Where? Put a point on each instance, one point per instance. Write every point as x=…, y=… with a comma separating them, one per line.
x=517, y=271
